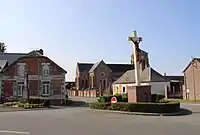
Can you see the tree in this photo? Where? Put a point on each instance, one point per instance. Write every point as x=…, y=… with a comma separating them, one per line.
x=2, y=47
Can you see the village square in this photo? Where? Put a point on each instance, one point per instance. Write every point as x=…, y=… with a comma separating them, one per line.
x=33, y=87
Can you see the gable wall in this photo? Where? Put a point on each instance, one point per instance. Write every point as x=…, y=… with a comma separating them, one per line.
x=192, y=82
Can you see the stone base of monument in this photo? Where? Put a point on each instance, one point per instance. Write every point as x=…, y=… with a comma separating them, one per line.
x=140, y=93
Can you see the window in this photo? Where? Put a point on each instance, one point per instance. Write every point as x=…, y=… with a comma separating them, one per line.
x=104, y=84
x=117, y=89
x=124, y=90
x=20, y=89
x=46, y=88
x=86, y=83
x=102, y=74
x=21, y=69
x=45, y=69
x=82, y=84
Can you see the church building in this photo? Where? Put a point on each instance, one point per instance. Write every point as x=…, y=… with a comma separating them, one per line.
x=147, y=76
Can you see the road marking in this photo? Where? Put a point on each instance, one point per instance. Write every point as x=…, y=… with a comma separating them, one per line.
x=14, y=132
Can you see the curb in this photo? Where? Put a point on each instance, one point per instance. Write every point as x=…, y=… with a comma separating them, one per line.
x=20, y=110
x=140, y=113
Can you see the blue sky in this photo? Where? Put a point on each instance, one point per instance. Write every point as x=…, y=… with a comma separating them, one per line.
x=71, y=31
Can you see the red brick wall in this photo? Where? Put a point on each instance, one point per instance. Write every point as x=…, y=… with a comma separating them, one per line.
x=32, y=63
x=8, y=88
x=56, y=86
x=34, y=69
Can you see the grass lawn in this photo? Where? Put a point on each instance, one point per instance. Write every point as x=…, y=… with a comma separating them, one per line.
x=186, y=101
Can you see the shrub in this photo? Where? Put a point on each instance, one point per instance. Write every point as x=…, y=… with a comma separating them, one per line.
x=107, y=98
x=138, y=107
x=124, y=98
x=46, y=102
x=97, y=105
x=104, y=99
x=156, y=97
x=40, y=100
x=163, y=101
x=69, y=102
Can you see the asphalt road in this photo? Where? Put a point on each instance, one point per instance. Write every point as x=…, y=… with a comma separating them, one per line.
x=81, y=121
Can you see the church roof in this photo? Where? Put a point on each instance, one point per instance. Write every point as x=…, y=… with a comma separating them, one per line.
x=84, y=66
x=89, y=67
x=120, y=67
x=94, y=66
x=147, y=75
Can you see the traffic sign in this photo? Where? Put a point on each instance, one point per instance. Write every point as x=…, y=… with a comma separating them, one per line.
x=113, y=100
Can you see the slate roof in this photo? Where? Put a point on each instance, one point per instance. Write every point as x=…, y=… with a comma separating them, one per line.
x=95, y=65
x=176, y=78
x=89, y=67
x=34, y=53
x=120, y=67
x=3, y=64
x=84, y=66
x=11, y=57
x=147, y=75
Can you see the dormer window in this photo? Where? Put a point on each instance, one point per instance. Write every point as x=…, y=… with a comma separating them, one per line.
x=45, y=69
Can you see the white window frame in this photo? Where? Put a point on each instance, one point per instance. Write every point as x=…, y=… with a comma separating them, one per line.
x=45, y=85
x=21, y=69
x=123, y=90
x=20, y=89
x=45, y=69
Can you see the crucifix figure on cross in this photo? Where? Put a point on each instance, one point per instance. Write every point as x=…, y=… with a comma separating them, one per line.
x=135, y=40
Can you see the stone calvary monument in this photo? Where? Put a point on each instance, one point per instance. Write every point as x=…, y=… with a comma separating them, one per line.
x=137, y=92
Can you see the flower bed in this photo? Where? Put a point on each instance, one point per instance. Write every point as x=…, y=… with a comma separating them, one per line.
x=23, y=105
x=33, y=103
x=148, y=107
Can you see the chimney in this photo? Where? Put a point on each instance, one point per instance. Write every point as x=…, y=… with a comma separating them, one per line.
x=40, y=51
x=165, y=74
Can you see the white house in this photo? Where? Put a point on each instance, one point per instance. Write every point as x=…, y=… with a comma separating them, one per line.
x=147, y=76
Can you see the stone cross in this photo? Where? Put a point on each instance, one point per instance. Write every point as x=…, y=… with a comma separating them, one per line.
x=135, y=40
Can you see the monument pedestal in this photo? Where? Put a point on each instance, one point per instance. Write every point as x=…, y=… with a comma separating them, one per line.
x=141, y=93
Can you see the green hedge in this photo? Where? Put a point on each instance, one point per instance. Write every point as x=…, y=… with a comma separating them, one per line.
x=138, y=107
x=124, y=98
x=157, y=97
x=120, y=98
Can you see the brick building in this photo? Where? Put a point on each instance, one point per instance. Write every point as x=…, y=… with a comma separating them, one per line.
x=191, y=89
x=101, y=75
x=45, y=77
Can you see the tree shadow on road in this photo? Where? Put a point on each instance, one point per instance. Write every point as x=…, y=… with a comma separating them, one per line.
x=185, y=112
x=79, y=104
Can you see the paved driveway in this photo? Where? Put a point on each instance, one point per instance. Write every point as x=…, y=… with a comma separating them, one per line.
x=80, y=120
